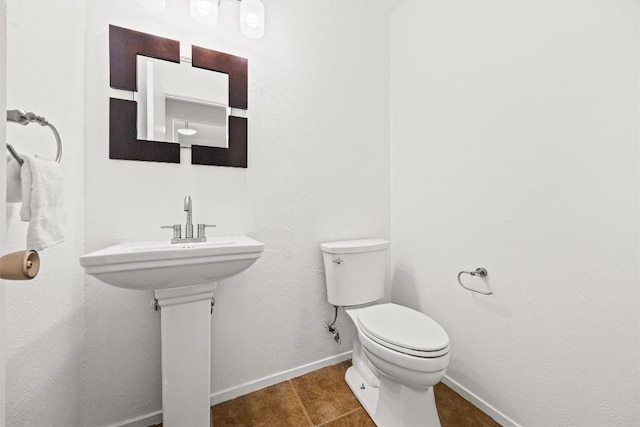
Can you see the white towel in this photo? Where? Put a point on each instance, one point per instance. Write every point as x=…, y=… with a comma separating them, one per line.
x=42, y=202
x=14, y=184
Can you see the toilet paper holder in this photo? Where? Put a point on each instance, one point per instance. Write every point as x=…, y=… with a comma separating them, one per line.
x=21, y=265
x=480, y=271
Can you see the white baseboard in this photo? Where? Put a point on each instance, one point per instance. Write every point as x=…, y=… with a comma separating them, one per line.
x=242, y=389
x=498, y=416
x=246, y=388
x=141, y=421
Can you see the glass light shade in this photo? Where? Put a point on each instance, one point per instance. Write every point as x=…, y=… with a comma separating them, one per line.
x=205, y=11
x=186, y=130
x=157, y=5
x=252, y=18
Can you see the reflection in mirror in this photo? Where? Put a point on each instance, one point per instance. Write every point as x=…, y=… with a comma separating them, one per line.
x=180, y=103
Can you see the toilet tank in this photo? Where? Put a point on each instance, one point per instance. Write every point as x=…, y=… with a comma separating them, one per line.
x=355, y=270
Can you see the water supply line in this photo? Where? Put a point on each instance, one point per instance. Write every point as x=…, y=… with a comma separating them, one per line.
x=155, y=305
x=332, y=329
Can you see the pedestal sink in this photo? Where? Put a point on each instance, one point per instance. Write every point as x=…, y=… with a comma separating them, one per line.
x=183, y=277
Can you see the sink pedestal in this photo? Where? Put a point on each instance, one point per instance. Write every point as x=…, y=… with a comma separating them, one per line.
x=186, y=354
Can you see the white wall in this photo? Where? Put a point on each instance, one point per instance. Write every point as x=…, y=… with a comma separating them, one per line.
x=3, y=104
x=318, y=171
x=44, y=318
x=515, y=147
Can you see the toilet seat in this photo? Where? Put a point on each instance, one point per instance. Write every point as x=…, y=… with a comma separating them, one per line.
x=404, y=330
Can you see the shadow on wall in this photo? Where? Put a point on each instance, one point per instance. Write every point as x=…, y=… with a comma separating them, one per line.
x=405, y=291
x=493, y=303
x=30, y=385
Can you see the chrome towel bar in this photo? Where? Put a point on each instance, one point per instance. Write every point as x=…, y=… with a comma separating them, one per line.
x=17, y=116
x=481, y=272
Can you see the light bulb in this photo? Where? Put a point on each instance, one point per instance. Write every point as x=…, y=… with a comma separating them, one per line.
x=252, y=18
x=205, y=11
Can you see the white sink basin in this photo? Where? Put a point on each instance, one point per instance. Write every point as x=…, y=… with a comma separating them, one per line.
x=162, y=265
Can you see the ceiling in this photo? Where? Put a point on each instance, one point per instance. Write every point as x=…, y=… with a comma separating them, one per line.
x=380, y=5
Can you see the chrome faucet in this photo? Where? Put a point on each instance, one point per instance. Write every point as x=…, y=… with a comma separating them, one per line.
x=188, y=208
x=188, y=228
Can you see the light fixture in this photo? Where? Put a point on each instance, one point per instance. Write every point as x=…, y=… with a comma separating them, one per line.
x=186, y=131
x=252, y=18
x=157, y=5
x=205, y=11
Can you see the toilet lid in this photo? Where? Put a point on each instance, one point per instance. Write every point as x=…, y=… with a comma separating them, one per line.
x=404, y=328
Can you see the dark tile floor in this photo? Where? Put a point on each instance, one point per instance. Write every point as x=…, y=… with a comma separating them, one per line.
x=322, y=398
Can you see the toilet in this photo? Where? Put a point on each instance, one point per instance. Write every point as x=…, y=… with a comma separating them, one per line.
x=400, y=353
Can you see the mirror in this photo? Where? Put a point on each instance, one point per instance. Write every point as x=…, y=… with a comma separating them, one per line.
x=179, y=103
x=201, y=106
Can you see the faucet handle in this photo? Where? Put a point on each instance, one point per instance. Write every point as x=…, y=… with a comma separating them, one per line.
x=201, y=229
x=177, y=230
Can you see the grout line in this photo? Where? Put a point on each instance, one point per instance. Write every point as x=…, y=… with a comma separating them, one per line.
x=306, y=414
x=337, y=418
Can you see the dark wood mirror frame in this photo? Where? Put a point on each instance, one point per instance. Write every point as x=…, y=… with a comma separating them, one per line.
x=124, y=46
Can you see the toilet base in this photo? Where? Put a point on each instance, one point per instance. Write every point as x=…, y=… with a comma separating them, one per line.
x=394, y=404
x=367, y=395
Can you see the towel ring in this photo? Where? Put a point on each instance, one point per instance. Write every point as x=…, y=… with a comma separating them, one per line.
x=24, y=119
x=480, y=271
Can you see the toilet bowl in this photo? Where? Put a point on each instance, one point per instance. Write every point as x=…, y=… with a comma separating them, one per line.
x=400, y=370
x=400, y=353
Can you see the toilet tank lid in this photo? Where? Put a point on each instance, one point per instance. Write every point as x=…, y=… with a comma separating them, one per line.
x=355, y=246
